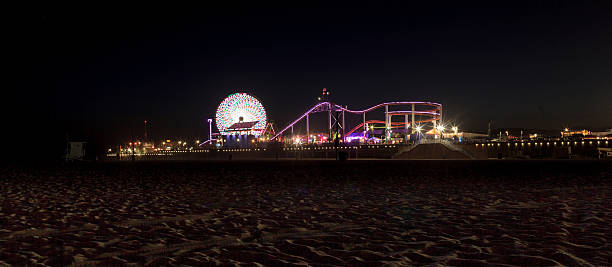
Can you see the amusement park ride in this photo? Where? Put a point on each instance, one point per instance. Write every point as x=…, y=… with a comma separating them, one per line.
x=241, y=120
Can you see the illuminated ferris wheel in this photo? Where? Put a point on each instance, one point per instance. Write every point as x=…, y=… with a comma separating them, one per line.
x=241, y=114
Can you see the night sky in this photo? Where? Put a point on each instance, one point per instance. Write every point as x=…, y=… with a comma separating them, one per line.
x=101, y=73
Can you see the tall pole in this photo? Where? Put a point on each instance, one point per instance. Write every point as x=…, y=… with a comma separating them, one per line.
x=387, y=123
x=336, y=140
x=440, y=113
x=307, y=128
x=210, y=130
x=406, y=128
x=343, y=138
x=412, y=124
x=329, y=121
x=145, y=132
x=364, y=127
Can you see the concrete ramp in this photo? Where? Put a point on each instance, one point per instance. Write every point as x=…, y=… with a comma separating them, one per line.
x=432, y=151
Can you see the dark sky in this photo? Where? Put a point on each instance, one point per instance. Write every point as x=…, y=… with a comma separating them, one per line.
x=101, y=72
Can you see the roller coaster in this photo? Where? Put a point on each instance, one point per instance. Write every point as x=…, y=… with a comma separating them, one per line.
x=426, y=111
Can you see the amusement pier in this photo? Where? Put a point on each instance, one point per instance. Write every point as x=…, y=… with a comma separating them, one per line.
x=389, y=130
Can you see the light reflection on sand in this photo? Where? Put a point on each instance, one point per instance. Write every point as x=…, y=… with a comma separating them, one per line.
x=366, y=213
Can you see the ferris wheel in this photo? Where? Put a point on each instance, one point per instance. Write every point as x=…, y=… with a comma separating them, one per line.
x=241, y=113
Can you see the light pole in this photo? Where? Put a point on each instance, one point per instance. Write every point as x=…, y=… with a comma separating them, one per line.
x=210, y=130
x=146, y=138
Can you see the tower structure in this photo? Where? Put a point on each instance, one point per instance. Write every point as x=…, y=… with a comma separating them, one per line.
x=146, y=138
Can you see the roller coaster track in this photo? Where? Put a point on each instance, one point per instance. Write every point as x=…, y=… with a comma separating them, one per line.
x=379, y=121
x=328, y=106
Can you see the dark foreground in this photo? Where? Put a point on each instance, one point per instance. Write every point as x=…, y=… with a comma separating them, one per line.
x=478, y=213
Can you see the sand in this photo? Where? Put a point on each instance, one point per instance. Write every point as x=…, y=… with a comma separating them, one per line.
x=403, y=213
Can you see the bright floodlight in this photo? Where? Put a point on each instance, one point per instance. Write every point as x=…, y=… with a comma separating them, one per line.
x=418, y=128
x=440, y=128
x=241, y=107
x=455, y=128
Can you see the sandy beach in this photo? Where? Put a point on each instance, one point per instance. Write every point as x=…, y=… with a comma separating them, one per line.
x=308, y=213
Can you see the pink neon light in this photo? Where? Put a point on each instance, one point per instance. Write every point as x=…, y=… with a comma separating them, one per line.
x=338, y=107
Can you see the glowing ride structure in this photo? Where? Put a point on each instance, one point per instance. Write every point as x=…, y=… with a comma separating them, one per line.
x=427, y=112
x=241, y=114
x=241, y=119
